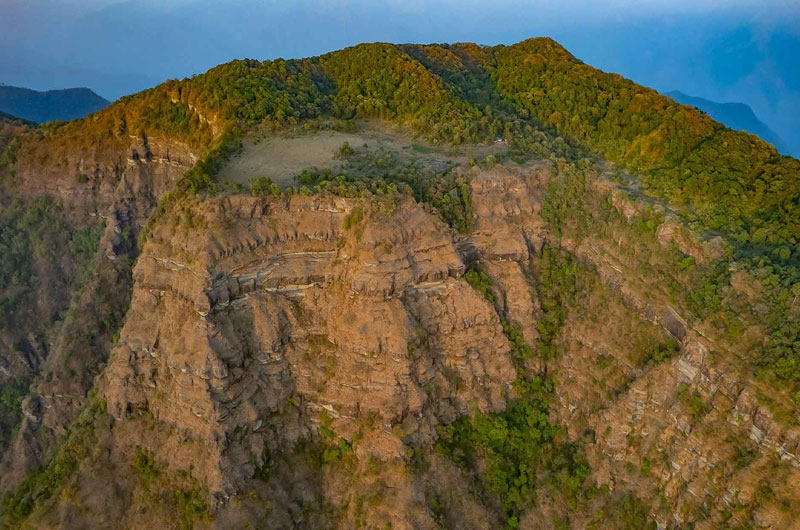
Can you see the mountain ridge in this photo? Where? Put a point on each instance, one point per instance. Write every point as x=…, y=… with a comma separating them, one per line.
x=525, y=293
x=44, y=106
x=737, y=116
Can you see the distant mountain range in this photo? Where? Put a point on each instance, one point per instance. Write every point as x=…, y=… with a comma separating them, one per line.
x=67, y=104
x=737, y=116
x=4, y=116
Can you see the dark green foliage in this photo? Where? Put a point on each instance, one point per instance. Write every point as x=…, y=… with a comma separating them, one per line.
x=335, y=453
x=558, y=283
x=278, y=92
x=15, y=256
x=729, y=180
x=380, y=80
x=344, y=185
x=726, y=181
x=648, y=222
x=783, y=351
x=147, y=469
x=706, y=294
x=780, y=285
x=518, y=451
x=40, y=487
x=565, y=197
x=660, y=352
x=451, y=196
x=345, y=151
x=37, y=231
x=520, y=349
x=202, y=176
x=354, y=218
x=327, y=451
x=263, y=187
x=12, y=392
x=383, y=173
x=191, y=506
x=480, y=282
x=332, y=452
x=693, y=401
x=626, y=513
x=189, y=502
x=466, y=93
x=28, y=232
x=197, y=180
x=83, y=247
x=9, y=148
x=745, y=455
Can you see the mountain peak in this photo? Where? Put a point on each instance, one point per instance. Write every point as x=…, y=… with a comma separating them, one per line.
x=734, y=115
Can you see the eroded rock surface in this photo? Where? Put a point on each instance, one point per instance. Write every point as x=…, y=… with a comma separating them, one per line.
x=275, y=301
x=258, y=326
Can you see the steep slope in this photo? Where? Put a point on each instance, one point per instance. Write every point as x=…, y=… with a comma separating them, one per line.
x=65, y=105
x=69, y=223
x=736, y=116
x=453, y=330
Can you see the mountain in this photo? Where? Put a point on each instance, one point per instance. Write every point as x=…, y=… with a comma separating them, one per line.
x=65, y=105
x=737, y=116
x=399, y=286
x=8, y=117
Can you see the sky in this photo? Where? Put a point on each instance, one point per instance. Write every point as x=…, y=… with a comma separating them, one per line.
x=734, y=50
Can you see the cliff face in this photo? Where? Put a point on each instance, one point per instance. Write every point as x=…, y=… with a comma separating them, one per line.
x=274, y=301
x=125, y=176
x=64, y=324
x=263, y=330
x=500, y=334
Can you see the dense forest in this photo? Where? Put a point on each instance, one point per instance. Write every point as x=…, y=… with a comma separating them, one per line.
x=726, y=180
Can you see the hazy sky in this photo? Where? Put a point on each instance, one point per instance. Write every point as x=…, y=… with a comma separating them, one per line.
x=721, y=50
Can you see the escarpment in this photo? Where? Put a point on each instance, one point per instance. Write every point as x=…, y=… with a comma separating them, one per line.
x=461, y=319
x=273, y=301
x=262, y=330
x=268, y=336
x=96, y=202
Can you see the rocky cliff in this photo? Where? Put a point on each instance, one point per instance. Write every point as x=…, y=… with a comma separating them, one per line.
x=66, y=321
x=514, y=333
x=263, y=330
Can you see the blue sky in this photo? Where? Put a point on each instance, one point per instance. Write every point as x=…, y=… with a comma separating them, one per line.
x=721, y=50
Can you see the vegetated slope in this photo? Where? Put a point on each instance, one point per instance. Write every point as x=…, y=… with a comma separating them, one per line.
x=725, y=179
x=65, y=105
x=736, y=116
x=399, y=341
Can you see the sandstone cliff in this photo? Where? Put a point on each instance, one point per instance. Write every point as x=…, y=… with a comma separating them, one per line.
x=65, y=323
x=441, y=328
x=262, y=330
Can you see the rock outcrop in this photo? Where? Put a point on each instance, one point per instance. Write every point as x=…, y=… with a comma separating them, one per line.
x=260, y=329
x=273, y=302
x=116, y=187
